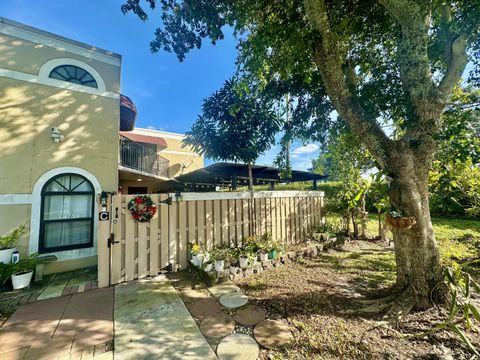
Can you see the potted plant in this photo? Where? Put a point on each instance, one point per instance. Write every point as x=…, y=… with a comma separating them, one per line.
x=232, y=258
x=21, y=272
x=8, y=243
x=244, y=257
x=398, y=220
x=219, y=265
x=250, y=249
x=273, y=249
x=234, y=267
x=197, y=255
x=208, y=265
x=263, y=246
x=218, y=256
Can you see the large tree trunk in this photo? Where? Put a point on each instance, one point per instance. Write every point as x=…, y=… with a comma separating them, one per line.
x=407, y=160
x=419, y=270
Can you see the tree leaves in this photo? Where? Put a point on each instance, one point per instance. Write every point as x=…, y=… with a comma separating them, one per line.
x=234, y=125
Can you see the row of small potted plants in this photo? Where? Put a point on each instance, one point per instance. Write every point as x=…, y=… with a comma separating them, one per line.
x=20, y=271
x=255, y=248
x=323, y=232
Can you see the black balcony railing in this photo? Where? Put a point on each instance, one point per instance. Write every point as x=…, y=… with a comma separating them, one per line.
x=135, y=156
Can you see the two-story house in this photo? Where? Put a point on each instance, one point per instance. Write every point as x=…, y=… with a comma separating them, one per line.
x=60, y=147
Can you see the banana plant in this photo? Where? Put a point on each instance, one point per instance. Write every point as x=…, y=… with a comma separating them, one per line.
x=461, y=287
x=379, y=196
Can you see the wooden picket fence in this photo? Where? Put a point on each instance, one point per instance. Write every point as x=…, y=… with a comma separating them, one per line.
x=209, y=219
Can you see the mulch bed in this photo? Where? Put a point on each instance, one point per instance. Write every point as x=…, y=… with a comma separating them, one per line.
x=314, y=295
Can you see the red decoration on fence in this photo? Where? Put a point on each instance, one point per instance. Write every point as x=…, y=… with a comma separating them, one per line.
x=142, y=208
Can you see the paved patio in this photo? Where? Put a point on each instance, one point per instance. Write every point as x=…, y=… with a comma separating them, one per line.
x=151, y=322
x=70, y=327
x=51, y=286
x=141, y=320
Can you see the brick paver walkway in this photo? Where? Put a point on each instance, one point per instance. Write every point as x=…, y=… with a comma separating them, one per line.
x=70, y=327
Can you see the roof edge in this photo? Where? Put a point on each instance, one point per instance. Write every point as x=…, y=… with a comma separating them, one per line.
x=32, y=29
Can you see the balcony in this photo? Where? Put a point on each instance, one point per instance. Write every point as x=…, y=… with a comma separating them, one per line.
x=136, y=156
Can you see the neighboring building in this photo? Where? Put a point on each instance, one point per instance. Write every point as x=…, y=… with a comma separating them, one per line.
x=163, y=157
x=59, y=143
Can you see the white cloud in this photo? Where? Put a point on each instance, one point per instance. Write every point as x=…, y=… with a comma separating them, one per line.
x=152, y=127
x=305, y=149
x=268, y=157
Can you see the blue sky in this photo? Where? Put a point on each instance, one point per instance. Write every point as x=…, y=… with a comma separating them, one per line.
x=168, y=93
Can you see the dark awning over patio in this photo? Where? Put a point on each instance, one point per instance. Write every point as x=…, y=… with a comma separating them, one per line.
x=233, y=175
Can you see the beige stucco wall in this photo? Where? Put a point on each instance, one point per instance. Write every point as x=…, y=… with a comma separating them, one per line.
x=88, y=122
x=69, y=265
x=28, y=57
x=192, y=162
x=152, y=185
x=29, y=110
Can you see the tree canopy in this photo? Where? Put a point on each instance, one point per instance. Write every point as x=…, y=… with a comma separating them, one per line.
x=373, y=62
x=280, y=43
x=234, y=125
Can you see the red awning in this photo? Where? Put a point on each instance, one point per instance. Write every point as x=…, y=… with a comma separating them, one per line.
x=144, y=138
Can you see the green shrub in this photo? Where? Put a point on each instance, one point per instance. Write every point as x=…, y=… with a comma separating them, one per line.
x=10, y=240
x=23, y=266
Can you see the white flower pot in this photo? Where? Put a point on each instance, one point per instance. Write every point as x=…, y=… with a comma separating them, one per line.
x=243, y=262
x=21, y=281
x=263, y=256
x=233, y=270
x=208, y=267
x=219, y=265
x=6, y=255
x=197, y=260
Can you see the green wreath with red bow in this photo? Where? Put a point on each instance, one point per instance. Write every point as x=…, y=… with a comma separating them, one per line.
x=142, y=208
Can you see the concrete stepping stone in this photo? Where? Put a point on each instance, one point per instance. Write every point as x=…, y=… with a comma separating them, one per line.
x=250, y=315
x=54, y=289
x=233, y=300
x=205, y=307
x=222, y=289
x=191, y=295
x=237, y=347
x=272, y=334
x=219, y=325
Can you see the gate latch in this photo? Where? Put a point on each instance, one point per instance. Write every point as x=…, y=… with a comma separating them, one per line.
x=111, y=240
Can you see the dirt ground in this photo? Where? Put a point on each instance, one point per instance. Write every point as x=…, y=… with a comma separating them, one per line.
x=315, y=296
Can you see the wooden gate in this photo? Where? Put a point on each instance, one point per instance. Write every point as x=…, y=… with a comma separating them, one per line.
x=137, y=250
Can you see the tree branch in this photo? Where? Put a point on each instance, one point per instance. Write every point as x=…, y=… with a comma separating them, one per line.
x=413, y=49
x=456, y=65
x=331, y=60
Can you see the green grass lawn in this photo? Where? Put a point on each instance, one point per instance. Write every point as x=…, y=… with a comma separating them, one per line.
x=458, y=239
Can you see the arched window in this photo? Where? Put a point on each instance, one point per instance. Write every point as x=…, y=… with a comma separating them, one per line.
x=67, y=212
x=73, y=74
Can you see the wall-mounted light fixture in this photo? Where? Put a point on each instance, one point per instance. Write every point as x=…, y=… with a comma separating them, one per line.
x=167, y=201
x=56, y=135
x=139, y=179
